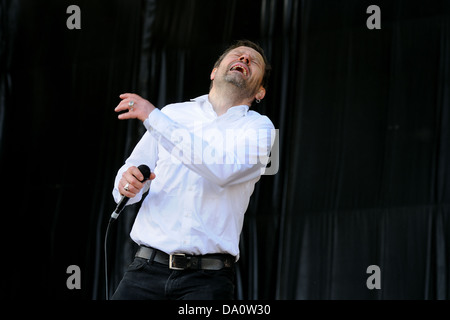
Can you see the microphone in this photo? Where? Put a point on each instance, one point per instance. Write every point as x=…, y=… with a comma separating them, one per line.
x=145, y=170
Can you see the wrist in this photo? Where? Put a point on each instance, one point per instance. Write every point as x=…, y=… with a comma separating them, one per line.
x=146, y=114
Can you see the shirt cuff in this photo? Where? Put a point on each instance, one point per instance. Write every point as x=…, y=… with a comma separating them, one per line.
x=152, y=118
x=159, y=124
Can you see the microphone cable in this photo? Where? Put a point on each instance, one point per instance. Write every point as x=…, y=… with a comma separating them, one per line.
x=145, y=170
x=106, y=258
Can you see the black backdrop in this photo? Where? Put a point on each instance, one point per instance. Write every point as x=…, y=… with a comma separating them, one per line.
x=364, y=119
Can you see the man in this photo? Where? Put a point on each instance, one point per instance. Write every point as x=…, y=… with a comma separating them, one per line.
x=206, y=156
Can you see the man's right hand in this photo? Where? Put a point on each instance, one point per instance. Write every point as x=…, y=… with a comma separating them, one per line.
x=133, y=177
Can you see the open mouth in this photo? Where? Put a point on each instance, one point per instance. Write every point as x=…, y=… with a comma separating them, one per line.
x=240, y=68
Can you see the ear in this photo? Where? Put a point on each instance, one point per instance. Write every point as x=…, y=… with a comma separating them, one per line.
x=261, y=93
x=213, y=74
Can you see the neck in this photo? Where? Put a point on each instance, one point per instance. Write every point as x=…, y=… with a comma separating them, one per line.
x=222, y=100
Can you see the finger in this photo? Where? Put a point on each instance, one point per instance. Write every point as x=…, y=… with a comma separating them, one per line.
x=122, y=106
x=133, y=181
x=124, y=95
x=152, y=176
x=126, y=116
x=136, y=173
x=127, y=112
x=130, y=193
x=132, y=96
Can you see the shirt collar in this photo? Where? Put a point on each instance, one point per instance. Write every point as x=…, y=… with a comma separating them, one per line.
x=233, y=112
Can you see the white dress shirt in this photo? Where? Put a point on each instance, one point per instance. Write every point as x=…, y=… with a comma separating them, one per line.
x=206, y=167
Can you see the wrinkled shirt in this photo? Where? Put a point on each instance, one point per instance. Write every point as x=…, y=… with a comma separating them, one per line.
x=206, y=168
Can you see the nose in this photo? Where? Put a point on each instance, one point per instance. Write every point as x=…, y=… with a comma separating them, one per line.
x=245, y=58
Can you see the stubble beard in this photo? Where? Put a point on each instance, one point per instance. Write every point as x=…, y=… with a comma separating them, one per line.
x=239, y=83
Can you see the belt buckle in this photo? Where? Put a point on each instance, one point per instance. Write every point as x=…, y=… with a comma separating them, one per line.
x=171, y=258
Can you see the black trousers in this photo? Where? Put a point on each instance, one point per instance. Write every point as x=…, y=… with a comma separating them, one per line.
x=149, y=280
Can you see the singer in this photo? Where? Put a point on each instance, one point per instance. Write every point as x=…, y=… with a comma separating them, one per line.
x=206, y=155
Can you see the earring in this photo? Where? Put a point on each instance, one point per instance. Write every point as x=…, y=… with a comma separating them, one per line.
x=258, y=100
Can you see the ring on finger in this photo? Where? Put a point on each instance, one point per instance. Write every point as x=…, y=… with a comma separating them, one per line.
x=130, y=105
x=127, y=187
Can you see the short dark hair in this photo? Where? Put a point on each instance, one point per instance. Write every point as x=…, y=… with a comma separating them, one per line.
x=255, y=46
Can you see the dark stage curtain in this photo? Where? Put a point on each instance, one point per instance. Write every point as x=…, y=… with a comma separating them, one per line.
x=364, y=140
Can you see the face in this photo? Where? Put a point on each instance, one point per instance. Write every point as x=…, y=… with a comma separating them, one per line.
x=242, y=67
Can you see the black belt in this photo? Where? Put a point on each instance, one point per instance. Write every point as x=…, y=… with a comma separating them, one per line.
x=181, y=261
